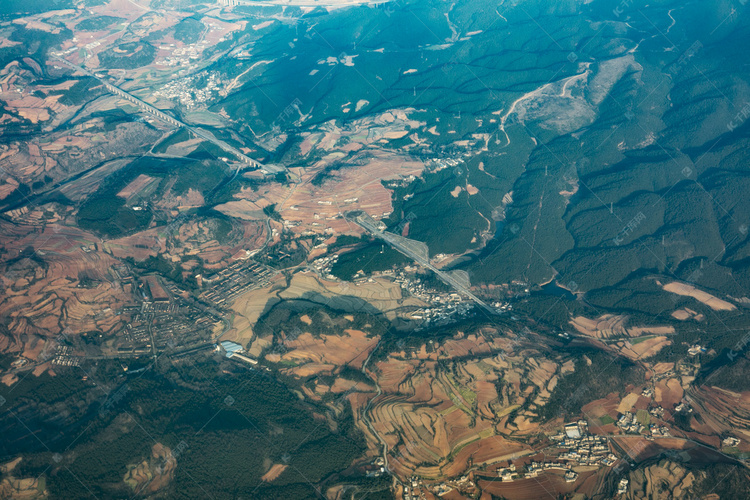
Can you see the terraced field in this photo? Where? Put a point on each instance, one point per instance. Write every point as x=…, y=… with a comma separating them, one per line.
x=583, y=162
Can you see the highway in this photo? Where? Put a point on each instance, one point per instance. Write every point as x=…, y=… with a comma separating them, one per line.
x=170, y=120
x=626, y=455
x=366, y=222
x=332, y=4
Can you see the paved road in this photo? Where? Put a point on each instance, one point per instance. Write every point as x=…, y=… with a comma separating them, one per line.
x=626, y=455
x=170, y=120
x=366, y=410
x=304, y=3
x=368, y=224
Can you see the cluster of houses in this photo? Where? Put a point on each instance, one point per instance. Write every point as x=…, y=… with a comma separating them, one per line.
x=64, y=357
x=683, y=406
x=629, y=423
x=535, y=468
x=622, y=487
x=464, y=483
x=583, y=448
x=657, y=430
x=184, y=90
x=445, y=306
x=412, y=488
x=324, y=264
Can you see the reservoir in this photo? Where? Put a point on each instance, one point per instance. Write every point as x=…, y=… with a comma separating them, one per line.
x=552, y=288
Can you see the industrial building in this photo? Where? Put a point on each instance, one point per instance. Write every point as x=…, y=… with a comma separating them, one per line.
x=230, y=348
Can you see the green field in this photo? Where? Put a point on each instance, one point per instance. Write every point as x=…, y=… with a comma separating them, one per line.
x=606, y=420
x=177, y=137
x=638, y=340
x=643, y=417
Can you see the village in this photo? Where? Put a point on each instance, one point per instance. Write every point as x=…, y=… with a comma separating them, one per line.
x=444, y=306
